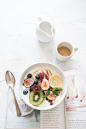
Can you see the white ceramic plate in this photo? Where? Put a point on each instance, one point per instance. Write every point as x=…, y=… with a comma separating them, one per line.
x=74, y=72
x=45, y=105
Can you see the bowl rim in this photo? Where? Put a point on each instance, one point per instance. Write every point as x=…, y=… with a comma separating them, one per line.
x=61, y=99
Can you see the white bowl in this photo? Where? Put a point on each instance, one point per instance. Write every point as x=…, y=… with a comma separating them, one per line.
x=45, y=105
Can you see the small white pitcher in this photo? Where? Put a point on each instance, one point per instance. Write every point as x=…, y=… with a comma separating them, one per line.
x=44, y=31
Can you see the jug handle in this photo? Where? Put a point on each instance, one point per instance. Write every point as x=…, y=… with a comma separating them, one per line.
x=39, y=19
x=75, y=49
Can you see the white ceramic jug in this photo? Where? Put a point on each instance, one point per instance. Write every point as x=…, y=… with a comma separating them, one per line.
x=44, y=31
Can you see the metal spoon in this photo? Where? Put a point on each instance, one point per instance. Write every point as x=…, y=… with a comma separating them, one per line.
x=10, y=80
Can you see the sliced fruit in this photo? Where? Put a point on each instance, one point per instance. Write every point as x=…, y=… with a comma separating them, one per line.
x=55, y=81
x=39, y=83
x=51, y=96
x=25, y=92
x=44, y=71
x=36, y=88
x=48, y=72
x=45, y=84
x=28, y=82
x=36, y=97
x=59, y=92
x=29, y=75
x=46, y=76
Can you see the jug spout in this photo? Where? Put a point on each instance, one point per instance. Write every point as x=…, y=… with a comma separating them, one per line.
x=44, y=30
x=39, y=19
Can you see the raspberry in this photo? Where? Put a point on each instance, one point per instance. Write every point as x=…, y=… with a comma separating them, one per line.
x=51, y=103
x=41, y=74
x=46, y=98
x=42, y=77
x=46, y=76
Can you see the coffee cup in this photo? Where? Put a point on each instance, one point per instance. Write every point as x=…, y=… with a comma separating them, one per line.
x=65, y=51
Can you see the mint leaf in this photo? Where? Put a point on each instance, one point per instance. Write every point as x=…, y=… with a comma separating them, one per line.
x=47, y=93
x=55, y=93
x=57, y=89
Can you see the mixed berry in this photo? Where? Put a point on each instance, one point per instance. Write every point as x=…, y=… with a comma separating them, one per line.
x=35, y=82
x=37, y=77
x=29, y=75
x=36, y=88
x=25, y=92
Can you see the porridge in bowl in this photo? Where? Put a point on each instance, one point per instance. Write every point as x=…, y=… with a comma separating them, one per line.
x=42, y=85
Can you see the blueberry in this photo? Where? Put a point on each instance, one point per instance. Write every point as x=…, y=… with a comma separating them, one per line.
x=35, y=82
x=29, y=75
x=25, y=92
x=31, y=88
x=37, y=77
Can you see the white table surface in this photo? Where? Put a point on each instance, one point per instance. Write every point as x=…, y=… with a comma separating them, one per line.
x=19, y=47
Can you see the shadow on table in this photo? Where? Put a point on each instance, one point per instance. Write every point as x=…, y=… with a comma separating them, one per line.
x=71, y=64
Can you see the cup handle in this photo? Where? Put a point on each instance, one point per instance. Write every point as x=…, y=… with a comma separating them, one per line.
x=75, y=49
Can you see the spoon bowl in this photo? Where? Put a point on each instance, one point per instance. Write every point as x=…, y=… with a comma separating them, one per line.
x=10, y=79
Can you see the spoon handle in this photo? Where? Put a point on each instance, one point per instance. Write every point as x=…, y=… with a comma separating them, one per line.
x=16, y=104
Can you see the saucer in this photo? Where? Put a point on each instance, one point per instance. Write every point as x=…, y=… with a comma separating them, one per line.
x=25, y=109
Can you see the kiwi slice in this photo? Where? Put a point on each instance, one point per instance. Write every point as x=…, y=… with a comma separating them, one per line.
x=36, y=97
